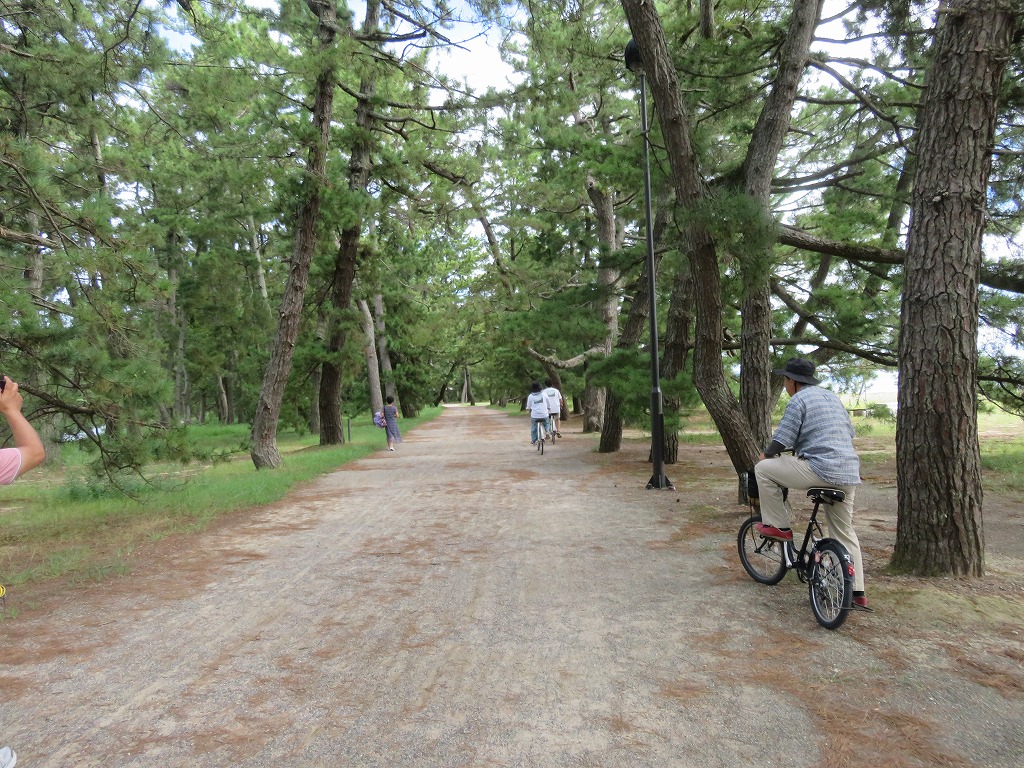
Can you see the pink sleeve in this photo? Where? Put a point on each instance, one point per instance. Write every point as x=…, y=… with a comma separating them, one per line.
x=10, y=463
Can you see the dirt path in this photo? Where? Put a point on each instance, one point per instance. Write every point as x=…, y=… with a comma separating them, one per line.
x=466, y=602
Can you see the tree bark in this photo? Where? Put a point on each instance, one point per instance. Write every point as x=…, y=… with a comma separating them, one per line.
x=938, y=464
x=611, y=429
x=632, y=330
x=264, y=451
x=707, y=19
x=222, y=400
x=372, y=366
x=467, y=387
x=636, y=323
x=756, y=392
x=331, y=429
x=709, y=376
x=442, y=391
x=387, y=373
x=608, y=309
x=255, y=243
x=677, y=348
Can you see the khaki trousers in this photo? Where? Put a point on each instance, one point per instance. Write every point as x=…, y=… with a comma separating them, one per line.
x=790, y=472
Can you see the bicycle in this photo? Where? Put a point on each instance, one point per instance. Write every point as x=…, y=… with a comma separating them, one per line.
x=823, y=564
x=550, y=427
x=541, y=429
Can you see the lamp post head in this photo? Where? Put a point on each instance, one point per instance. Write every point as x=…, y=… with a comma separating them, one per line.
x=633, y=61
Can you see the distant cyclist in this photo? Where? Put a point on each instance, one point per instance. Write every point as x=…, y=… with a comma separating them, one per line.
x=538, y=408
x=554, y=400
x=817, y=429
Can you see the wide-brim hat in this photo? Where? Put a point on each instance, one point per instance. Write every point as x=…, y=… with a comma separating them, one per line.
x=798, y=369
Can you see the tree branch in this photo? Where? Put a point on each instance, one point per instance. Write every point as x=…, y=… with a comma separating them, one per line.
x=27, y=238
x=1003, y=276
x=572, y=362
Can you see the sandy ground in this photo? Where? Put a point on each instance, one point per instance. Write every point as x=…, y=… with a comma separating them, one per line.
x=466, y=602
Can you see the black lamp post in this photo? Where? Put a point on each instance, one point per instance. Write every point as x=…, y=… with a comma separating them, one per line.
x=658, y=479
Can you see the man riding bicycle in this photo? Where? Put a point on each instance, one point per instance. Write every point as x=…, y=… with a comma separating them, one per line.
x=817, y=429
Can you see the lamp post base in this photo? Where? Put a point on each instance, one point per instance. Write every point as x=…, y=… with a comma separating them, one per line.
x=660, y=481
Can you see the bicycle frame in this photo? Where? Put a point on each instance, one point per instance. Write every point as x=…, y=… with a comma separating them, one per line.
x=800, y=561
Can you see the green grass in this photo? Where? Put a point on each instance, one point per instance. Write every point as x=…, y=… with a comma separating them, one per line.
x=60, y=523
x=1002, y=463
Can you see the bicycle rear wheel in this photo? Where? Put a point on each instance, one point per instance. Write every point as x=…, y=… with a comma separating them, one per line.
x=830, y=584
x=764, y=559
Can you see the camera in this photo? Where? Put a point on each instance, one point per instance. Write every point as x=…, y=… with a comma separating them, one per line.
x=3, y=382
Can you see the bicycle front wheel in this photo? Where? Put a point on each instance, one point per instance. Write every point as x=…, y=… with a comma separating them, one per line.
x=831, y=584
x=764, y=559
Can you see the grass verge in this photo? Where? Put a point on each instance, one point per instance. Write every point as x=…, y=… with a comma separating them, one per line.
x=59, y=523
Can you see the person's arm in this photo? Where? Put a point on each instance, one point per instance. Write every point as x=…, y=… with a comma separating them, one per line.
x=26, y=439
x=786, y=433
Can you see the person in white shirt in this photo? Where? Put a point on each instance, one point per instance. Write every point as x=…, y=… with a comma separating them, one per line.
x=538, y=408
x=554, y=400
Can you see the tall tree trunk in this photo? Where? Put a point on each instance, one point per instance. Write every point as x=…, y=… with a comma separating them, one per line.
x=677, y=348
x=707, y=19
x=756, y=393
x=938, y=464
x=709, y=376
x=442, y=391
x=181, y=383
x=222, y=400
x=331, y=429
x=611, y=429
x=317, y=376
x=632, y=330
x=232, y=378
x=255, y=243
x=387, y=372
x=608, y=307
x=372, y=366
x=268, y=410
